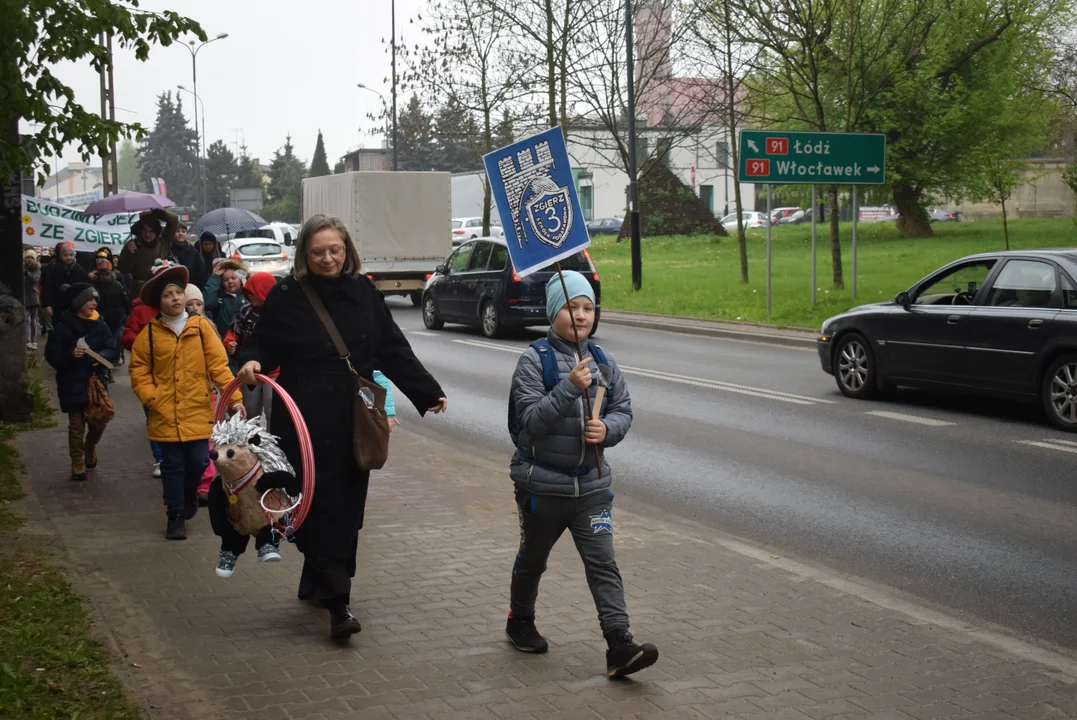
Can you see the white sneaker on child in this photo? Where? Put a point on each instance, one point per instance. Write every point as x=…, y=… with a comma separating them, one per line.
x=157, y=470
x=226, y=563
x=268, y=553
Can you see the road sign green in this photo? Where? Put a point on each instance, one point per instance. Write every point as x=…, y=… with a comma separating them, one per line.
x=813, y=158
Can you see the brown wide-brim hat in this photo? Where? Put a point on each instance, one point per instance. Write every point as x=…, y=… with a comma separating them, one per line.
x=165, y=273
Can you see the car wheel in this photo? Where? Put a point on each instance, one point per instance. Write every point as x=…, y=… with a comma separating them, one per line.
x=491, y=320
x=416, y=297
x=1060, y=392
x=855, y=367
x=431, y=319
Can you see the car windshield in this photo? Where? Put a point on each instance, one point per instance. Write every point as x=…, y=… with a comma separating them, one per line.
x=259, y=249
x=456, y=224
x=258, y=233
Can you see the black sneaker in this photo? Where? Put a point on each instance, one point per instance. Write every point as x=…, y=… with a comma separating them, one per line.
x=342, y=624
x=525, y=636
x=625, y=657
x=177, y=528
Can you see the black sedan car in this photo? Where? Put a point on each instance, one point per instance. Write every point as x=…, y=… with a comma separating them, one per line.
x=1001, y=324
x=478, y=286
x=605, y=226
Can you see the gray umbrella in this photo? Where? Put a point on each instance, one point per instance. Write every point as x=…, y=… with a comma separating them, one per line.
x=226, y=221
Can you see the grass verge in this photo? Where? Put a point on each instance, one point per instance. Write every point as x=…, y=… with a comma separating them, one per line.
x=700, y=276
x=50, y=664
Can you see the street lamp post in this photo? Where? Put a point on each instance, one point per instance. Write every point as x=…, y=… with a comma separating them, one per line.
x=361, y=86
x=393, y=10
x=193, y=49
x=201, y=157
x=633, y=185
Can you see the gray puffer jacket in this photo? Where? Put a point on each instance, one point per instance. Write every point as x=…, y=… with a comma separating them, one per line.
x=551, y=457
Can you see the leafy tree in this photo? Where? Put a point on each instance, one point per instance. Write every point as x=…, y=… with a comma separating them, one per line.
x=248, y=174
x=505, y=132
x=415, y=136
x=128, y=167
x=338, y=168
x=319, y=165
x=222, y=175
x=458, y=141
x=169, y=152
x=286, y=174
x=38, y=36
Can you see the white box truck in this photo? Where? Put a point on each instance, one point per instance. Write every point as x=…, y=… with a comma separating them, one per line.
x=400, y=222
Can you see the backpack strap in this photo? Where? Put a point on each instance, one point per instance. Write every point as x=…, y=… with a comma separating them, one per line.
x=550, y=376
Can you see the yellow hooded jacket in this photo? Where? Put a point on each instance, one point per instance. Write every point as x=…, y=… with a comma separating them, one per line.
x=176, y=384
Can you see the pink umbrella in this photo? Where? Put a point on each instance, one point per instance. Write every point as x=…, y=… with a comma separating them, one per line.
x=128, y=201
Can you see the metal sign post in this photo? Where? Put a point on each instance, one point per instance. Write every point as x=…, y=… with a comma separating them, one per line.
x=814, y=208
x=768, y=249
x=856, y=216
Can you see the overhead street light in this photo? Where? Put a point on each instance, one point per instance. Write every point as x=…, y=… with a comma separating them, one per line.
x=193, y=48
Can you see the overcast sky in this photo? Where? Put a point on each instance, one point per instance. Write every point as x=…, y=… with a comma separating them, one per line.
x=286, y=67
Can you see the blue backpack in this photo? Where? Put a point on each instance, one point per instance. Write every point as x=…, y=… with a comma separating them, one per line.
x=550, y=377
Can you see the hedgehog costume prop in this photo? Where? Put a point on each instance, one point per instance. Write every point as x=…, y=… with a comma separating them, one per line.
x=249, y=465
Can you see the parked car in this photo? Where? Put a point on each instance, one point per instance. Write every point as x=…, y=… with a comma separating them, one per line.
x=282, y=233
x=1000, y=324
x=605, y=226
x=777, y=214
x=259, y=254
x=471, y=228
x=939, y=215
x=752, y=221
x=478, y=286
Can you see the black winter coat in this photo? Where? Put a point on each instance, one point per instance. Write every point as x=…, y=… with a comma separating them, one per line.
x=189, y=256
x=56, y=276
x=72, y=373
x=290, y=336
x=112, y=303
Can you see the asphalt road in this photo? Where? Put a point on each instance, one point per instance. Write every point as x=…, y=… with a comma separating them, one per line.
x=966, y=505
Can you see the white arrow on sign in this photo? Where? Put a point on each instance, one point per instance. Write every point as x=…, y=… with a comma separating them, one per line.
x=873, y=169
x=753, y=146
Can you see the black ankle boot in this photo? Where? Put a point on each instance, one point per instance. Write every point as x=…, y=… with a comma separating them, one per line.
x=176, y=528
x=625, y=657
x=525, y=636
x=342, y=624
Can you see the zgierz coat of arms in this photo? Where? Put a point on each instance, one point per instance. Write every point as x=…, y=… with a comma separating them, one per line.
x=547, y=209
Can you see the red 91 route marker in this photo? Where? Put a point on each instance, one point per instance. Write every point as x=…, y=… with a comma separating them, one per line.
x=777, y=146
x=757, y=168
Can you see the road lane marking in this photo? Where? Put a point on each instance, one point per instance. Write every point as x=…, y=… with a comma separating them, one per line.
x=489, y=346
x=1062, y=445
x=930, y=422
x=683, y=379
x=420, y=332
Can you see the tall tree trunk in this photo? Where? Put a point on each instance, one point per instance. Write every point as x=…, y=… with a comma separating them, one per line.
x=488, y=146
x=731, y=107
x=563, y=61
x=1005, y=225
x=551, y=65
x=835, y=236
x=913, y=221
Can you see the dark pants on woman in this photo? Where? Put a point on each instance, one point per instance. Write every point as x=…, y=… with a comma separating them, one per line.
x=182, y=466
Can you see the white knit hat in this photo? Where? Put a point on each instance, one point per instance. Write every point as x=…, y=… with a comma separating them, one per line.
x=193, y=293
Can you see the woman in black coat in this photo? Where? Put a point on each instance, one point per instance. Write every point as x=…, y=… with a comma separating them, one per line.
x=290, y=336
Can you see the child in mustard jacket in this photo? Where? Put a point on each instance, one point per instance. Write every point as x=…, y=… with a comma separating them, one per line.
x=175, y=362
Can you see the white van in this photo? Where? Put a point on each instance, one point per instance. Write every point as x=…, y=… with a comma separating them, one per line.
x=282, y=233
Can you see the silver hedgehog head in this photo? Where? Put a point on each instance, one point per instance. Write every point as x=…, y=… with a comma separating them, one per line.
x=237, y=431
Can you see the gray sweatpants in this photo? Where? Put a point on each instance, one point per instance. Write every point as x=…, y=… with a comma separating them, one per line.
x=257, y=400
x=543, y=519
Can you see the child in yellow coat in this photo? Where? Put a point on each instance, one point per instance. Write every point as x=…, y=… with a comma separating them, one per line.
x=175, y=362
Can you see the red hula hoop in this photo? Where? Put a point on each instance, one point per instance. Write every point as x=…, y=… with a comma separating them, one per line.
x=306, y=450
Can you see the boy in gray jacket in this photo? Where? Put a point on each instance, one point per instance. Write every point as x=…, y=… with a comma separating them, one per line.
x=559, y=486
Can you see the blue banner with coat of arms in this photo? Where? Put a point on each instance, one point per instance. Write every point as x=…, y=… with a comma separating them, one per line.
x=532, y=183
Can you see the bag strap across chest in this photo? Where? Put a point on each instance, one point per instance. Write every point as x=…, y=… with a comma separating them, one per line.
x=329, y=325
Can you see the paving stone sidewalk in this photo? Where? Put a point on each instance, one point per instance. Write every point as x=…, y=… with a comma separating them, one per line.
x=740, y=636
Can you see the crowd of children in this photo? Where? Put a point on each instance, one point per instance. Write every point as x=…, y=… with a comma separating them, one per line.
x=181, y=341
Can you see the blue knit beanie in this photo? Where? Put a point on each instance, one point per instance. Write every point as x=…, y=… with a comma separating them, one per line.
x=555, y=296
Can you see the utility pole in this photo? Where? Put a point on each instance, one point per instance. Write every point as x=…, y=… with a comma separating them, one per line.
x=633, y=186
x=106, y=161
x=395, y=151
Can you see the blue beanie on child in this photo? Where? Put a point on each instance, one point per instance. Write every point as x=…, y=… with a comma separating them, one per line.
x=555, y=295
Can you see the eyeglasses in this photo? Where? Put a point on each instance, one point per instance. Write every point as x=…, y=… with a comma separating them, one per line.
x=318, y=253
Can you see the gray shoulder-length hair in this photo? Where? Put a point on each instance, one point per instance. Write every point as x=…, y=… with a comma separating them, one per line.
x=314, y=225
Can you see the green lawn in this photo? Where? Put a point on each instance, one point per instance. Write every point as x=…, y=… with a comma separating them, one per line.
x=50, y=664
x=700, y=276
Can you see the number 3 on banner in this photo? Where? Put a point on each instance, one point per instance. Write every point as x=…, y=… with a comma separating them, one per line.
x=551, y=214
